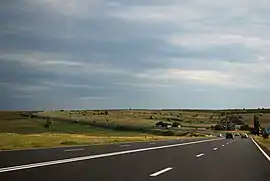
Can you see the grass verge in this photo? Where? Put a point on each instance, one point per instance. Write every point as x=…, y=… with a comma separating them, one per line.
x=263, y=141
x=23, y=141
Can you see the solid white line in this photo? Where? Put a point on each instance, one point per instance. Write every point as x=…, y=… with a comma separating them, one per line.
x=263, y=152
x=199, y=155
x=124, y=145
x=42, y=164
x=160, y=172
x=79, y=149
x=215, y=149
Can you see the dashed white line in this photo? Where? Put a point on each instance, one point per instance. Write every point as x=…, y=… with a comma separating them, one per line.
x=160, y=172
x=79, y=149
x=227, y=143
x=222, y=145
x=76, y=159
x=214, y=149
x=199, y=155
x=124, y=145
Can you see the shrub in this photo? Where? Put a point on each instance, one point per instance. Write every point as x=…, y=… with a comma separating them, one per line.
x=264, y=133
x=245, y=127
x=168, y=133
x=219, y=127
x=175, y=124
x=161, y=123
x=76, y=121
x=48, y=123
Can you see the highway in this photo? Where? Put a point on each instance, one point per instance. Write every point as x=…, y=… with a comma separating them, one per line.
x=188, y=160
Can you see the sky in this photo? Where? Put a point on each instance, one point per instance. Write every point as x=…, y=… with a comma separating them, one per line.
x=103, y=54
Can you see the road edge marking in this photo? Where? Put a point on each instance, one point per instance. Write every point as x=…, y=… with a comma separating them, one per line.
x=160, y=172
x=75, y=159
x=263, y=152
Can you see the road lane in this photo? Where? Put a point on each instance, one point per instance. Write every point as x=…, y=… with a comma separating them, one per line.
x=238, y=161
x=13, y=158
x=134, y=166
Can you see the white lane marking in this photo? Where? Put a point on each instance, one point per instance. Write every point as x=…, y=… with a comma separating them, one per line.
x=160, y=172
x=263, y=152
x=222, y=145
x=227, y=143
x=199, y=155
x=79, y=149
x=214, y=149
x=42, y=164
x=152, y=143
x=124, y=145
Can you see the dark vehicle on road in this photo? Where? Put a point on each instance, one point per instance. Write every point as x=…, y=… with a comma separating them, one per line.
x=229, y=136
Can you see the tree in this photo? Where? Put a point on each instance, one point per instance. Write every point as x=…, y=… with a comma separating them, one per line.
x=175, y=124
x=48, y=123
x=161, y=123
x=256, y=124
x=106, y=112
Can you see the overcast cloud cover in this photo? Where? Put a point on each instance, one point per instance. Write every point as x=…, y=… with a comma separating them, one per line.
x=134, y=53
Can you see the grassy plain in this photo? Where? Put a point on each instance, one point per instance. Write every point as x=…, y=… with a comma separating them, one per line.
x=73, y=127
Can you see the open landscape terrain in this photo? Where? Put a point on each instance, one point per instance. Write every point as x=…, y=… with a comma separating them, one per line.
x=23, y=129
x=168, y=144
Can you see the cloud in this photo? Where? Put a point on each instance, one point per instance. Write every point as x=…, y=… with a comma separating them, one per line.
x=144, y=54
x=210, y=40
x=92, y=98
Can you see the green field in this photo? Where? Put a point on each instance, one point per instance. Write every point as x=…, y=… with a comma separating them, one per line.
x=148, y=118
x=17, y=132
x=72, y=127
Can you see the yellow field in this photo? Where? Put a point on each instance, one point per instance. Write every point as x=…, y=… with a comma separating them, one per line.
x=22, y=141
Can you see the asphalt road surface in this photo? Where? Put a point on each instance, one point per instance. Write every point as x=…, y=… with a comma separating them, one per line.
x=188, y=160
